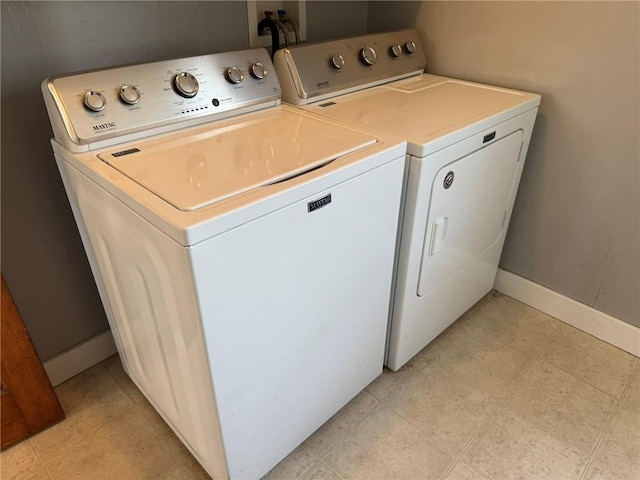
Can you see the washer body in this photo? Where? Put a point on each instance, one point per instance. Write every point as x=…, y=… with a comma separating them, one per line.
x=244, y=259
x=466, y=147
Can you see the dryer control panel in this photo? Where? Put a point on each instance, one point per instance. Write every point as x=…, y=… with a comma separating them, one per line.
x=94, y=106
x=314, y=72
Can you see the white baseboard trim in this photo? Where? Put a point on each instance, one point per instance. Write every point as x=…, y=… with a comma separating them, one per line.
x=80, y=357
x=605, y=327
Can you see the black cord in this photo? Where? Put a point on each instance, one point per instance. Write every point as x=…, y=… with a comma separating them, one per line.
x=295, y=30
x=275, y=34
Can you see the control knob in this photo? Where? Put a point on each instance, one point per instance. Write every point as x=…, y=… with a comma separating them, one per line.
x=94, y=101
x=395, y=50
x=129, y=94
x=258, y=70
x=234, y=75
x=185, y=85
x=410, y=47
x=368, y=56
x=337, y=61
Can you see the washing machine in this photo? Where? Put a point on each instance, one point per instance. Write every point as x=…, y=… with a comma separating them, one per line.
x=243, y=249
x=466, y=149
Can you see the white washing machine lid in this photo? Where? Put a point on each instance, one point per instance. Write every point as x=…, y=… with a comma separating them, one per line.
x=427, y=108
x=194, y=171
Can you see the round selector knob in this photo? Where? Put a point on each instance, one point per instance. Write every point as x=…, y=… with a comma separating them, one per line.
x=129, y=94
x=234, y=75
x=395, y=50
x=258, y=70
x=410, y=47
x=94, y=101
x=337, y=61
x=368, y=56
x=185, y=85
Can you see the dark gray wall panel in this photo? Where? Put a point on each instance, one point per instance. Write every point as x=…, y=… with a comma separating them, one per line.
x=330, y=20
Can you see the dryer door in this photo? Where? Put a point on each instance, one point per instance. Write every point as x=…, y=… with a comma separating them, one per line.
x=469, y=200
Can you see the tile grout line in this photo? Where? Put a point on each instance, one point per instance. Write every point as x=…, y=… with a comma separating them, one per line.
x=417, y=370
x=587, y=383
x=82, y=438
x=527, y=368
x=605, y=430
x=349, y=431
x=538, y=357
x=501, y=400
x=380, y=403
x=21, y=444
x=170, y=471
x=591, y=456
x=125, y=411
x=457, y=457
x=431, y=442
x=445, y=448
x=320, y=458
x=584, y=382
x=26, y=475
x=305, y=475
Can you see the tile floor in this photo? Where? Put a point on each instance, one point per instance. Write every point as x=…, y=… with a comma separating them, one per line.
x=505, y=393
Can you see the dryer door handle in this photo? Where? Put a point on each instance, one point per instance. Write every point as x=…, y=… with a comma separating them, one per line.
x=438, y=233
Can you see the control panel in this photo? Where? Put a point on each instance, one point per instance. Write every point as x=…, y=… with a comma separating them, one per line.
x=108, y=103
x=313, y=72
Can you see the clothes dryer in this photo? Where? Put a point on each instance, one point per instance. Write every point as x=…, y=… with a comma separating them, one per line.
x=243, y=249
x=466, y=149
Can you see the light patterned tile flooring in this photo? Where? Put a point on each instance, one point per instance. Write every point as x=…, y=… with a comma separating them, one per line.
x=505, y=393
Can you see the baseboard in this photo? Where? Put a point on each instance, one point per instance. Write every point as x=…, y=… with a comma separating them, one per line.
x=80, y=357
x=605, y=327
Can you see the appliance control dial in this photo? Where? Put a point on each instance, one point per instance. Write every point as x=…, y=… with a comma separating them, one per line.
x=258, y=70
x=234, y=75
x=129, y=94
x=368, y=56
x=337, y=61
x=94, y=101
x=410, y=47
x=185, y=85
x=395, y=50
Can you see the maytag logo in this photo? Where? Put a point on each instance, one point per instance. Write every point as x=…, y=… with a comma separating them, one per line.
x=323, y=84
x=316, y=204
x=104, y=126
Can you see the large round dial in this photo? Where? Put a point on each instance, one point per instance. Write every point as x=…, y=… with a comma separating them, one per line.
x=129, y=94
x=185, y=85
x=258, y=70
x=368, y=56
x=94, y=101
x=337, y=61
x=234, y=75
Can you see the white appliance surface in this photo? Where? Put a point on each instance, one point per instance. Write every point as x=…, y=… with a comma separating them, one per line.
x=466, y=146
x=244, y=260
x=429, y=111
x=193, y=172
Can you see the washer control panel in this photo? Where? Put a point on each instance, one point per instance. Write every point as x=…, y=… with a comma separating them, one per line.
x=101, y=104
x=316, y=71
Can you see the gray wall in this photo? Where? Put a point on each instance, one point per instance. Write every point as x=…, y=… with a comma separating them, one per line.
x=575, y=227
x=42, y=257
x=330, y=20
